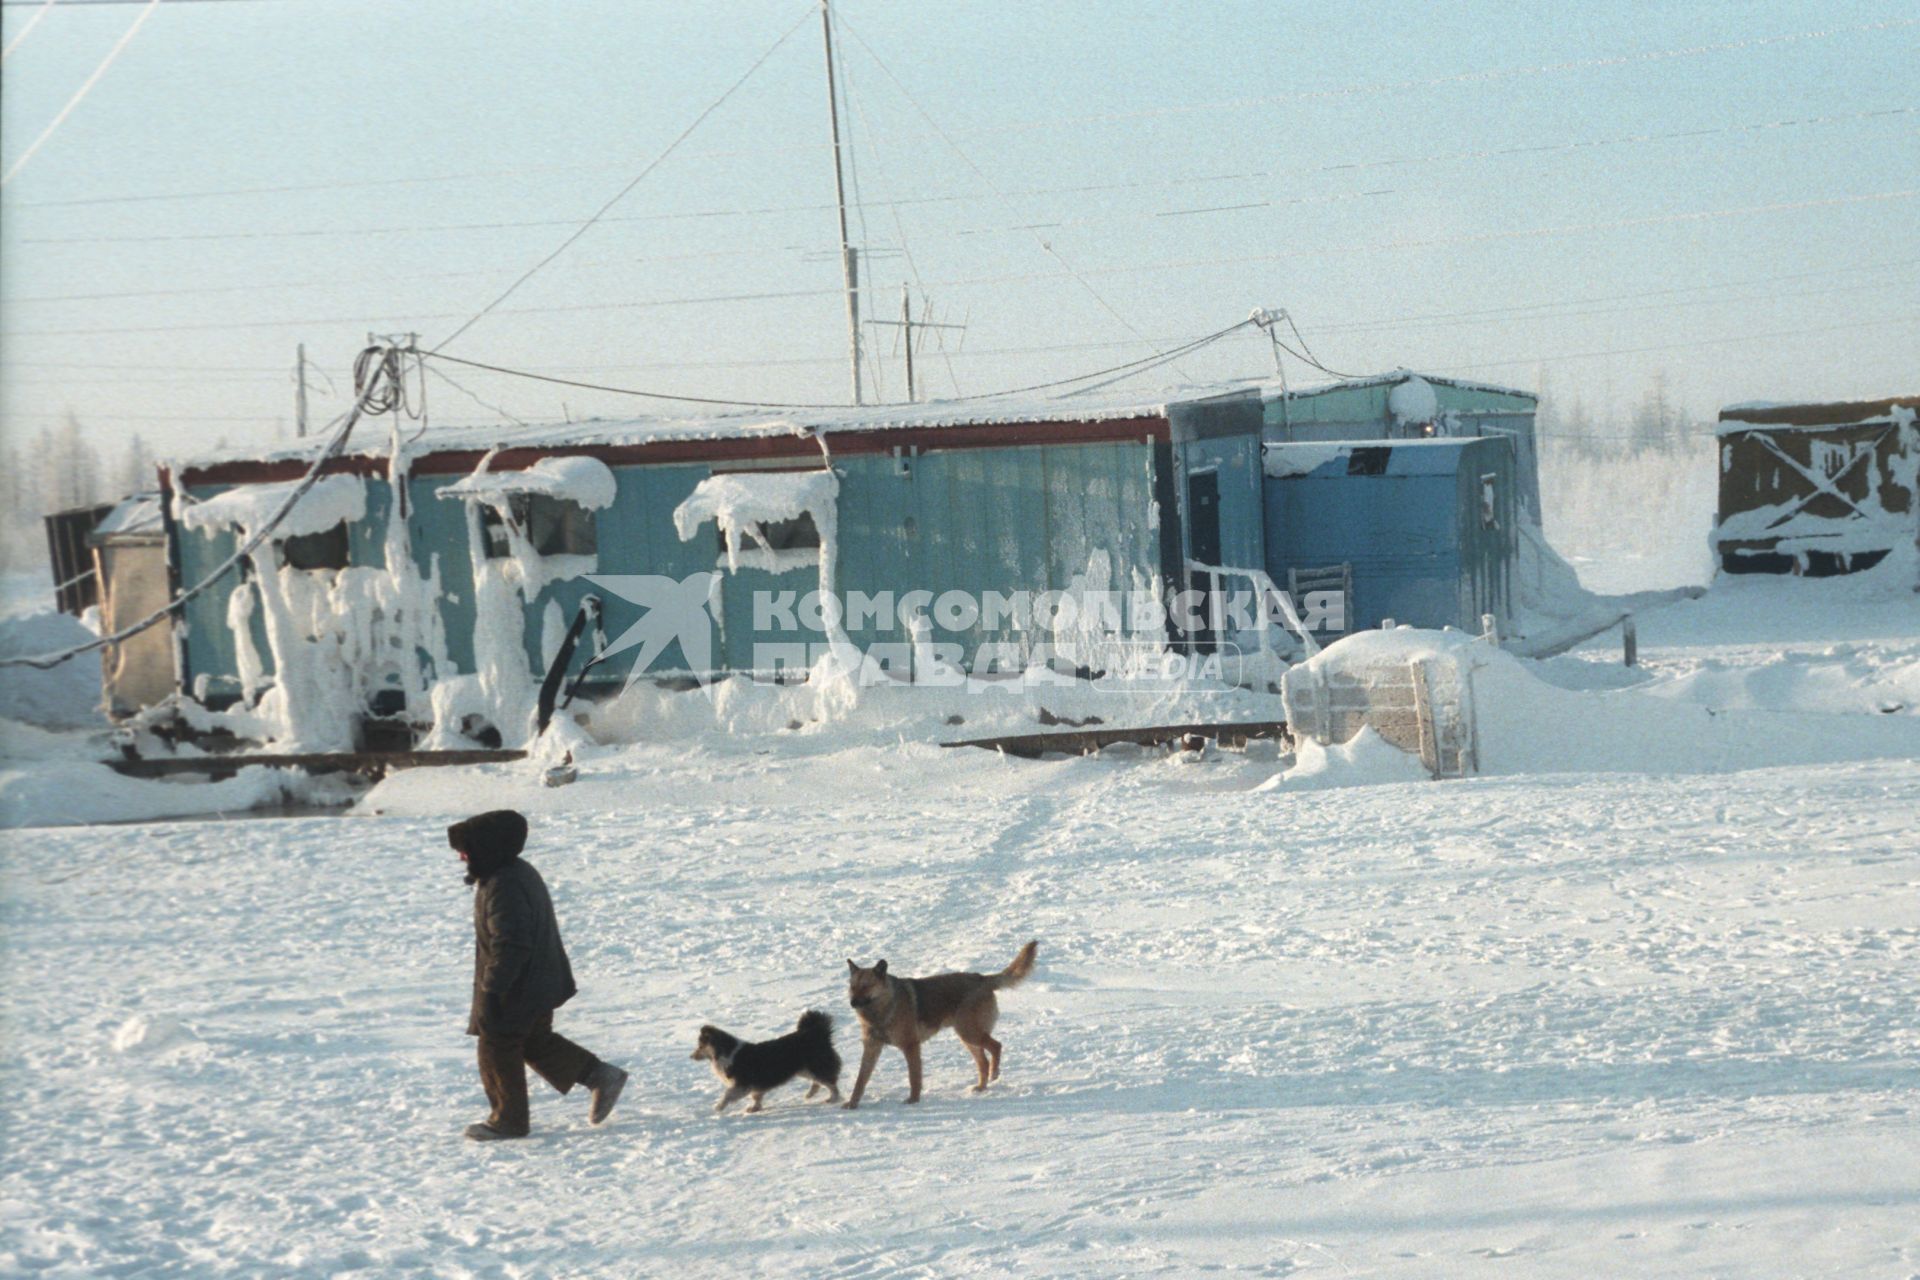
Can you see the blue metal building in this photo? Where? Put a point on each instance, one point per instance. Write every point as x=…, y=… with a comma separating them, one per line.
x=1158, y=497
x=927, y=501
x=1423, y=532
x=1410, y=406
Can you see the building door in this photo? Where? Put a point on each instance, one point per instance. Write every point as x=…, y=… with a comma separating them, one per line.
x=1203, y=543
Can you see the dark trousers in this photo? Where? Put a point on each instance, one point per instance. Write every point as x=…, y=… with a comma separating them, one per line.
x=504, y=1060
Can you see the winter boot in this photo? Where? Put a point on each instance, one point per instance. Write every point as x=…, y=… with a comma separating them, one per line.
x=484, y=1132
x=605, y=1083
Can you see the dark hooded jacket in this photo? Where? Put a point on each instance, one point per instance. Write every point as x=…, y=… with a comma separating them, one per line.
x=520, y=969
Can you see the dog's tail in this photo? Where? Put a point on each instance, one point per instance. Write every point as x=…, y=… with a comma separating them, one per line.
x=1016, y=973
x=815, y=1023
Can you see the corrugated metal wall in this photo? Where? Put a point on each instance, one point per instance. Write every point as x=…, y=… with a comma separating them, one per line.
x=1414, y=535
x=1014, y=519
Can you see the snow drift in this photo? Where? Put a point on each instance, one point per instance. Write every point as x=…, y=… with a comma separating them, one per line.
x=62, y=697
x=1519, y=723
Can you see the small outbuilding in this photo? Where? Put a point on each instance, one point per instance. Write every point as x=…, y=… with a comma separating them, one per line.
x=129, y=549
x=1422, y=532
x=1403, y=405
x=1816, y=489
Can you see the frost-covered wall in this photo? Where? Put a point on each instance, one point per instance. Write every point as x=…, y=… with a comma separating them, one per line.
x=315, y=641
x=909, y=527
x=208, y=532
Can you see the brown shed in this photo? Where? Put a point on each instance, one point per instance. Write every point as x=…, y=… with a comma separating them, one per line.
x=1817, y=489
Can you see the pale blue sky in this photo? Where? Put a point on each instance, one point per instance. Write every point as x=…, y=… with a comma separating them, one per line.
x=395, y=122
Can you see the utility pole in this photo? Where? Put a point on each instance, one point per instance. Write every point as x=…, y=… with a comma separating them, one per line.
x=849, y=259
x=907, y=324
x=906, y=329
x=300, y=396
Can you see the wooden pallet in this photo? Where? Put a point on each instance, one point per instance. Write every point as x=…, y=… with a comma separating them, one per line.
x=1080, y=742
x=373, y=764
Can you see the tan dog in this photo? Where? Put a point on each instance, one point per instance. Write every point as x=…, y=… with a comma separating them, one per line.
x=904, y=1012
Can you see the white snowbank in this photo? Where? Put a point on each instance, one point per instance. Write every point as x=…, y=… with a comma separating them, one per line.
x=62, y=697
x=741, y=503
x=1398, y=647
x=1573, y=1028
x=146, y=1035
x=1523, y=725
x=1367, y=759
x=66, y=793
x=585, y=481
x=332, y=500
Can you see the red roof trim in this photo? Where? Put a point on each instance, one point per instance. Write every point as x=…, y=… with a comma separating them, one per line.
x=1001, y=435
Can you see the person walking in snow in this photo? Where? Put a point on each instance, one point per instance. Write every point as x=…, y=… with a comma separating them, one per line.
x=520, y=976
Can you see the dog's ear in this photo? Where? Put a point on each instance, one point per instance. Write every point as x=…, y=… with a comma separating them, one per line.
x=880, y=967
x=851, y=966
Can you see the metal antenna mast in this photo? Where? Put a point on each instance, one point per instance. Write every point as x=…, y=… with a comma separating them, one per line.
x=907, y=326
x=849, y=257
x=300, y=397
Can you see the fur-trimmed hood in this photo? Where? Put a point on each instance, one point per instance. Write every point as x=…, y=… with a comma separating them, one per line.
x=489, y=841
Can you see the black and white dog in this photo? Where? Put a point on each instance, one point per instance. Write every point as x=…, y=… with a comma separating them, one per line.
x=758, y=1069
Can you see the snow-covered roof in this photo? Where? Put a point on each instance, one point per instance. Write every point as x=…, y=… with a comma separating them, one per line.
x=586, y=481
x=138, y=515
x=1736, y=419
x=330, y=501
x=1301, y=390
x=651, y=429
x=1093, y=406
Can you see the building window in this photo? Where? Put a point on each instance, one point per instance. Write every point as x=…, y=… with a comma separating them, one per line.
x=552, y=526
x=324, y=550
x=1370, y=461
x=797, y=534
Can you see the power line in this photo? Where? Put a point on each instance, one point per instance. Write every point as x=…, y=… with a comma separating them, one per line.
x=1158, y=357
x=86, y=87
x=91, y=4
x=1540, y=311
x=1484, y=75
x=1769, y=126
x=491, y=408
x=376, y=386
x=621, y=194
x=1134, y=268
x=340, y=282
x=900, y=233
x=22, y=33
x=979, y=173
x=138, y=417
x=176, y=373
x=1538, y=307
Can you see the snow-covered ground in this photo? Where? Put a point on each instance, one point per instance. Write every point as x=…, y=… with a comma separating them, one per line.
x=1588, y=1025
x=1653, y=1017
